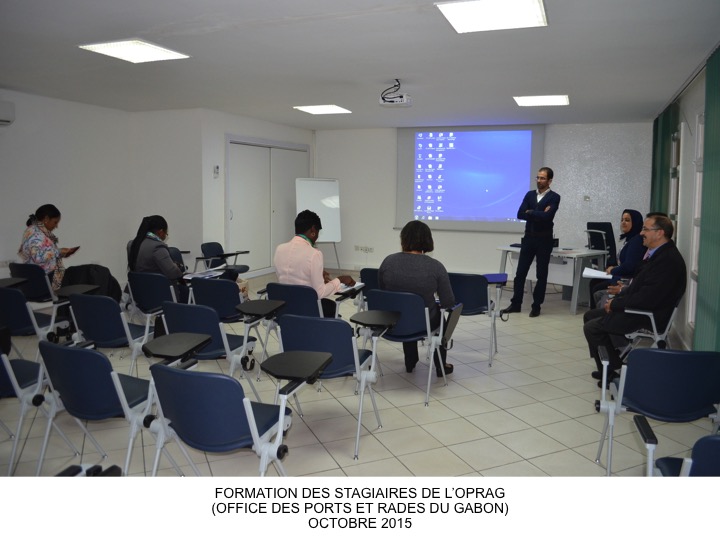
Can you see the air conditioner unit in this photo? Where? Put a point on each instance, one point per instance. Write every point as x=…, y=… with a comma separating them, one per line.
x=7, y=113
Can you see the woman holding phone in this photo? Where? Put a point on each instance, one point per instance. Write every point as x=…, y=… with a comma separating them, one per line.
x=40, y=245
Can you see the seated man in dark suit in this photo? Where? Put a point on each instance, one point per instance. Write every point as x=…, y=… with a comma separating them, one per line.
x=658, y=286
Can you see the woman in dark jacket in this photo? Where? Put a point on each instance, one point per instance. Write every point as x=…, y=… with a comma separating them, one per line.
x=148, y=252
x=630, y=255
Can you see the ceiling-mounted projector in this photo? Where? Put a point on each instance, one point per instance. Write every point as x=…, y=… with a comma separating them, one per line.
x=400, y=100
x=391, y=97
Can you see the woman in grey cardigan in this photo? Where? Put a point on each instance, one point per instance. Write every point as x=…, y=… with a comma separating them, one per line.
x=413, y=271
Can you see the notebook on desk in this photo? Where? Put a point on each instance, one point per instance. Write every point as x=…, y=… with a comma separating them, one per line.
x=344, y=288
x=204, y=274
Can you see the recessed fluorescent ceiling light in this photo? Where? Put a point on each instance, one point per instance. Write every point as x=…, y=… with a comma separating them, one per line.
x=484, y=15
x=541, y=101
x=134, y=50
x=323, y=109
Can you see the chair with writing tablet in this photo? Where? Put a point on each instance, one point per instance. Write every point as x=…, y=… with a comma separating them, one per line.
x=472, y=291
x=101, y=320
x=17, y=313
x=368, y=276
x=24, y=380
x=334, y=336
x=148, y=291
x=667, y=386
x=299, y=300
x=197, y=319
x=224, y=296
x=84, y=383
x=210, y=413
x=214, y=255
x=414, y=325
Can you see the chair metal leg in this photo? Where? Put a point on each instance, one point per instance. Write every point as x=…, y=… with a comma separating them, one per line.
x=24, y=407
x=18, y=354
x=93, y=440
x=297, y=404
x=431, y=365
x=601, y=443
x=283, y=398
x=134, y=430
x=161, y=431
x=366, y=380
x=6, y=429
x=51, y=413
x=493, y=338
x=611, y=430
x=359, y=421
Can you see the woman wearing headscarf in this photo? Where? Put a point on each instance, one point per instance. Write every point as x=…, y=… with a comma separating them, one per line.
x=630, y=255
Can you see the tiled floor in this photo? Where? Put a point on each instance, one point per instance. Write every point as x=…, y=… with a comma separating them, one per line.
x=530, y=414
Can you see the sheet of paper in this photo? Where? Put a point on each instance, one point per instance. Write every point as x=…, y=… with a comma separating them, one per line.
x=596, y=274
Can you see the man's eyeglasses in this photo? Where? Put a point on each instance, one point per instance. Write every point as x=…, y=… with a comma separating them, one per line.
x=540, y=178
x=645, y=229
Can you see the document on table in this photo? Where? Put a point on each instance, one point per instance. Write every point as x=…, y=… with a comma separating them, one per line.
x=596, y=274
x=204, y=274
x=344, y=288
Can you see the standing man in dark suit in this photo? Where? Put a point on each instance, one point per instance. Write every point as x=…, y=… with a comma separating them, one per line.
x=658, y=286
x=538, y=211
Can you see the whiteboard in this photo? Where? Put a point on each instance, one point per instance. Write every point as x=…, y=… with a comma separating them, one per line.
x=322, y=196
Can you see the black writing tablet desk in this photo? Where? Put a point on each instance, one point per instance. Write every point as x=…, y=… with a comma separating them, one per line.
x=375, y=324
x=260, y=309
x=175, y=348
x=12, y=281
x=298, y=368
x=254, y=312
x=63, y=293
x=350, y=293
x=221, y=256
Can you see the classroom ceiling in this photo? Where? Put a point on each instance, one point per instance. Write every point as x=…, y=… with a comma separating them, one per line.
x=618, y=60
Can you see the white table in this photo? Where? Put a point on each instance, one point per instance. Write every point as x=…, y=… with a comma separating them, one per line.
x=566, y=267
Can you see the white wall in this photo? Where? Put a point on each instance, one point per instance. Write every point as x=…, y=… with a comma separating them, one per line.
x=76, y=157
x=610, y=163
x=106, y=169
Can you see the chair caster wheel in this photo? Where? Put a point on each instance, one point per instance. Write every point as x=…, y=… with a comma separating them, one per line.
x=38, y=400
x=247, y=363
x=148, y=420
x=662, y=344
x=597, y=405
x=282, y=451
x=52, y=337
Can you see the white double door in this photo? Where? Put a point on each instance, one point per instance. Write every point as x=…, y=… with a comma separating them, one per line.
x=260, y=199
